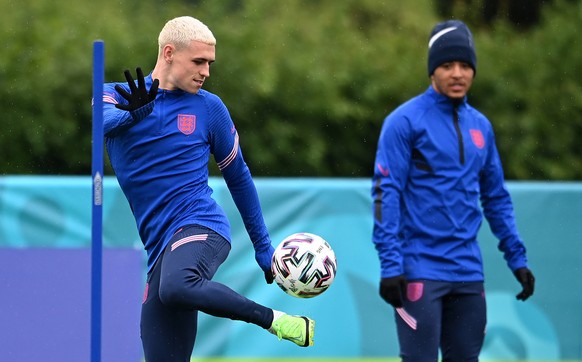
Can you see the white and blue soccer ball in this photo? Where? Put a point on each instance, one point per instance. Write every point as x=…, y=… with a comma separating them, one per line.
x=304, y=265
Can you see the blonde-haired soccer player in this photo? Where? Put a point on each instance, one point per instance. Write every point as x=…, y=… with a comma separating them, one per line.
x=160, y=132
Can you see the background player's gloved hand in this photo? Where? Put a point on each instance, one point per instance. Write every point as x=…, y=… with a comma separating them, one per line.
x=264, y=257
x=526, y=278
x=393, y=289
x=140, y=100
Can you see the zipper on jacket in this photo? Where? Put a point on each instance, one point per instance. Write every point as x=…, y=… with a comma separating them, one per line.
x=162, y=105
x=459, y=135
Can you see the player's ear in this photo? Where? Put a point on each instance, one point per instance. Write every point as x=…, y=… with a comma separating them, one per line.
x=168, y=53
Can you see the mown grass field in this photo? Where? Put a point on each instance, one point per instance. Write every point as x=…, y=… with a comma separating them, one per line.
x=295, y=360
x=341, y=360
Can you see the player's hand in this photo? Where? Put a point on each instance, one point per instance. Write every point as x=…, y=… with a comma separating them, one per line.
x=393, y=289
x=138, y=96
x=264, y=257
x=527, y=280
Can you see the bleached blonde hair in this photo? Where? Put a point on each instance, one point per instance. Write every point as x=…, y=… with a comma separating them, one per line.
x=181, y=31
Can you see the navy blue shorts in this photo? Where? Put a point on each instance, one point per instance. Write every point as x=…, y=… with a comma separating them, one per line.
x=449, y=316
x=180, y=285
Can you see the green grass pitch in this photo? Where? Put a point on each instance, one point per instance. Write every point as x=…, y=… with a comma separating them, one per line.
x=215, y=359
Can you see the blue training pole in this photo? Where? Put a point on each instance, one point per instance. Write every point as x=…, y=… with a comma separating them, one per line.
x=97, y=200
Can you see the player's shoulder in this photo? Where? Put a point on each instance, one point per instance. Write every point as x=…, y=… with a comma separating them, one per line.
x=215, y=106
x=213, y=102
x=409, y=110
x=209, y=97
x=416, y=104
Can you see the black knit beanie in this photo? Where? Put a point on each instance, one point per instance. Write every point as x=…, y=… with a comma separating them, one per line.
x=451, y=41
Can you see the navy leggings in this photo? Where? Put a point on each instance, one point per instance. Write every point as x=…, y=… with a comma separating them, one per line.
x=179, y=286
x=449, y=316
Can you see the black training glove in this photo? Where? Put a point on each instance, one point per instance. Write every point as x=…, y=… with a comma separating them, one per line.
x=393, y=289
x=526, y=279
x=139, y=96
x=269, y=277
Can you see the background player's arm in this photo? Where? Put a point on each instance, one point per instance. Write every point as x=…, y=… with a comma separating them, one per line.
x=498, y=209
x=391, y=168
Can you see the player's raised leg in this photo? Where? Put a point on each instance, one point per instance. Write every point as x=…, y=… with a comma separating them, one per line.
x=186, y=269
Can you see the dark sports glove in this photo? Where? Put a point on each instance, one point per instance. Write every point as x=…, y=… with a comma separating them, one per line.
x=264, y=257
x=393, y=289
x=139, y=96
x=526, y=278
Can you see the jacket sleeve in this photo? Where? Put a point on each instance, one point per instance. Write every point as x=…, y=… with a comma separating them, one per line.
x=498, y=209
x=114, y=120
x=224, y=143
x=391, y=167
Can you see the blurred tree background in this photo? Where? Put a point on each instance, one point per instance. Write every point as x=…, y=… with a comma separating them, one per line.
x=308, y=82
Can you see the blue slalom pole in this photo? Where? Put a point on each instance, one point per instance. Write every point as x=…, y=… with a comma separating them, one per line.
x=97, y=199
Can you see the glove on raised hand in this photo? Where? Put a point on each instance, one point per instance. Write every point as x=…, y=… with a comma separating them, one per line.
x=527, y=280
x=140, y=100
x=264, y=257
x=393, y=289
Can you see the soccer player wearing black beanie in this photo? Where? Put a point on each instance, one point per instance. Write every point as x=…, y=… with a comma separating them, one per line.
x=437, y=172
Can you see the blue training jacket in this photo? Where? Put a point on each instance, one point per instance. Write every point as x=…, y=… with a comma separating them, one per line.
x=161, y=163
x=433, y=174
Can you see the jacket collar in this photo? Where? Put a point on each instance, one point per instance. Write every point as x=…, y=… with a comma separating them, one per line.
x=442, y=99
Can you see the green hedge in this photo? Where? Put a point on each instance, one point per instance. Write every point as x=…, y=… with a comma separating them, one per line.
x=308, y=83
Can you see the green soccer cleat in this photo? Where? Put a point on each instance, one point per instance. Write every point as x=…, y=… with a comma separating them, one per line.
x=296, y=329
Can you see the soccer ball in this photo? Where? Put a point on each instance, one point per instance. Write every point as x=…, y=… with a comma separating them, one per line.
x=304, y=265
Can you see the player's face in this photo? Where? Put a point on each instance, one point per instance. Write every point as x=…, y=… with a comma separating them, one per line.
x=190, y=66
x=453, y=79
